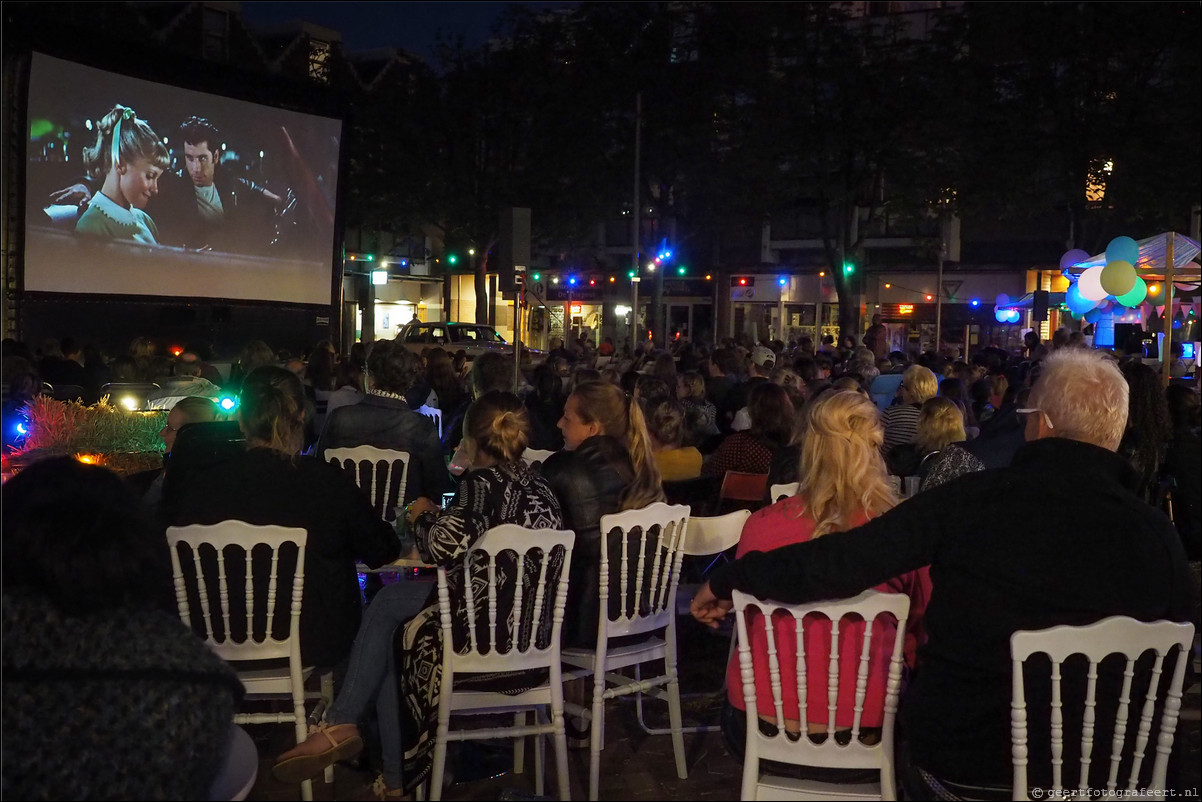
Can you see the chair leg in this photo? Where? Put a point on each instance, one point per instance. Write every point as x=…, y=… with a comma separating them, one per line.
x=301, y=729
x=438, y=768
x=596, y=735
x=519, y=744
x=561, y=751
x=307, y=791
x=540, y=754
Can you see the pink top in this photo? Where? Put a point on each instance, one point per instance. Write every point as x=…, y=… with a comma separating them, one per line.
x=783, y=524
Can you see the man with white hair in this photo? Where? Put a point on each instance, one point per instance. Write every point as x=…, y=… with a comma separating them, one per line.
x=1058, y=537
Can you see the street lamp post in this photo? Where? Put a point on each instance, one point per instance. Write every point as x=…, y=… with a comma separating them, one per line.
x=634, y=311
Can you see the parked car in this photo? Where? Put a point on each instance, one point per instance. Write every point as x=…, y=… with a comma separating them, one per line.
x=473, y=338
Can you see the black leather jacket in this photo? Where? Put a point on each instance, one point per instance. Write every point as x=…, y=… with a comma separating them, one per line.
x=248, y=214
x=588, y=483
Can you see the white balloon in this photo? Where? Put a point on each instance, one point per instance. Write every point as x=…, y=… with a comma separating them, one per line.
x=1090, y=284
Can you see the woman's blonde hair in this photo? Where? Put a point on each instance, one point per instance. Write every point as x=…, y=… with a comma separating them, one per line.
x=271, y=409
x=939, y=423
x=136, y=140
x=619, y=416
x=918, y=384
x=842, y=472
x=695, y=384
x=497, y=422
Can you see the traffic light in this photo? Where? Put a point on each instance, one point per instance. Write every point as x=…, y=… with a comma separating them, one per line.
x=742, y=281
x=849, y=269
x=452, y=258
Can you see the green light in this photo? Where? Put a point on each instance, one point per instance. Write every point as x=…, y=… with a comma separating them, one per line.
x=538, y=276
x=370, y=257
x=630, y=274
x=848, y=268
x=452, y=259
x=681, y=270
x=227, y=403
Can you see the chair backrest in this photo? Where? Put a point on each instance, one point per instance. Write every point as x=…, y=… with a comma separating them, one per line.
x=742, y=486
x=225, y=569
x=714, y=535
x=434, y=414
x=646, y=576
x=535, y=457
x=700, y=495
x=804, y=750
x=511, y=643
x=382, y=473
x=905, y=486
x=1114, y=635
x=786, y=490
x=68, y=392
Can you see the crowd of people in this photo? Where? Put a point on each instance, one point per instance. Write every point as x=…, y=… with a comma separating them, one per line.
x=1043, y=476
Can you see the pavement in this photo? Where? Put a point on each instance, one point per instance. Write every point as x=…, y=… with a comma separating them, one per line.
x=634, y=765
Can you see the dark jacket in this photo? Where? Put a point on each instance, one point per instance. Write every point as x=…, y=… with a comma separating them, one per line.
x=261, y=486
x=1056, y=538
x=588, y=483
x=389, y=423
x=247, y=215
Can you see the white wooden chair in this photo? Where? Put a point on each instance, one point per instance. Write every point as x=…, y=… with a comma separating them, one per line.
x=786, y=490
x=527, y=652
x=645, y=586
x=705, y=536
x=221, y=559
x=434, y=414
x=1114, y=635
x=535, y=457
x=383, y=473
x=854, y=754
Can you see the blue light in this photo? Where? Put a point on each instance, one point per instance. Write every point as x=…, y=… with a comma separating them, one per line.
x=782, y=281
x=21, y=429
x=976, y=302
x=404, y=263
x=667, y=254
x=572, y=280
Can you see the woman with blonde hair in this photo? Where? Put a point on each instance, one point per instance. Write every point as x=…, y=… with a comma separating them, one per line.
x=901, y=420
x=606, y=466
x=940, y=423
x=128, y=157
x=498, y=488
x=843, y=483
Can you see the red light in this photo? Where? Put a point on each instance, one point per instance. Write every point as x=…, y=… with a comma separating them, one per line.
x=176, y=350
x=742, y=282
x=592, y=282
x=929, y=297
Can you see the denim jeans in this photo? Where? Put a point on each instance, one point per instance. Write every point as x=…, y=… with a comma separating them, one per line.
x=371, y=674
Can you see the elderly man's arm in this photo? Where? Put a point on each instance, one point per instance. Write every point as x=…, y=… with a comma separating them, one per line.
x=834, y=566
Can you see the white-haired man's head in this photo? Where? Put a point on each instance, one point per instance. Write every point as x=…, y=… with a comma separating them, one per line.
x=1080, y=395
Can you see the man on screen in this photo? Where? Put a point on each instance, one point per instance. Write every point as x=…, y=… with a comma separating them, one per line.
x=211, y=209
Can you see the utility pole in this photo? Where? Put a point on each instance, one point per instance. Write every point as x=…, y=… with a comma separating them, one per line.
x=636, y=232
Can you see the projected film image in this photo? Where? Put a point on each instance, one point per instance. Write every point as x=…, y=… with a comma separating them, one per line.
x=138, y=188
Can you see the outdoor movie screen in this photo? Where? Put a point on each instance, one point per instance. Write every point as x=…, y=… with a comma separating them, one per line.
x=139, y=188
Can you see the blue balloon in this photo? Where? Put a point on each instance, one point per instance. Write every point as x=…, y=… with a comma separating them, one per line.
x=1093, y=315
x=1122, y=249
x=1070, y=258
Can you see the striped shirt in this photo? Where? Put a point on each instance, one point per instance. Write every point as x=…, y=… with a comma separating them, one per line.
x=901, y=425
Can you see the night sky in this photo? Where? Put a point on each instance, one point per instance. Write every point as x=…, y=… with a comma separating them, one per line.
x=412, y=26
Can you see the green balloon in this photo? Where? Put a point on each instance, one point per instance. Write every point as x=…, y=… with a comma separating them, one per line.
x=1137, y=294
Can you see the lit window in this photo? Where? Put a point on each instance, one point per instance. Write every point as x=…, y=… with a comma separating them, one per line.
x=319, y=60
x=1095, y=182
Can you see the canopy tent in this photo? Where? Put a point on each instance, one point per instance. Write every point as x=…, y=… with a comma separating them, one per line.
x=1165, y=257
x=1152, y=259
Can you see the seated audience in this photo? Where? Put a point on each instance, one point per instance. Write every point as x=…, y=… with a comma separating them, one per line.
x=497, y=489
x=665, y=426
x=901, y=420
x=843, y=484
x=383, y=419
x=606, y=466
x=995, y=573
x=544, y=404
x=106, y=694
x=1148, y=427
x=767, y=447
x=270, y=483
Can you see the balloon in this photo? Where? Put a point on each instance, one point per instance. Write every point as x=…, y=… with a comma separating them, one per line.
x=1076, y=303
x=1093, y=315
x=1137, y=294
x=1118, y=278
x=1107, y=305
x=1002, y=300
x=1075, y=316
x=1072, y=257
x=1090, y=284
x=1001, y=315
x=1122, y=249
x=1014, y=316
